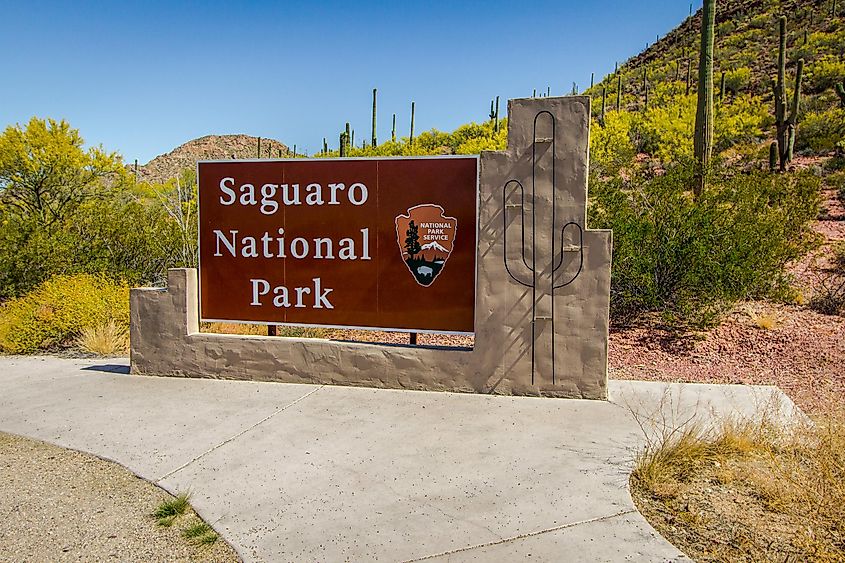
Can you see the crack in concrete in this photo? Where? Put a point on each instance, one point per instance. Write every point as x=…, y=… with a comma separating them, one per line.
x=236, y=436
x=523, y=536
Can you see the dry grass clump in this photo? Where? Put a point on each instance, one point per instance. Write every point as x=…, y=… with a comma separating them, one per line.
x=747, y=490
x=107, y=339
x=765, y=320
x=234, y=328
x=261, y=330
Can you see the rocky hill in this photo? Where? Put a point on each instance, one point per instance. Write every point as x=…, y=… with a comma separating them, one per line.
x=166, y=166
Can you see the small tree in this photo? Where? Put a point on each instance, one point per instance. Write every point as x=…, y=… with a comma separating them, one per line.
x=412, y=240
x=45, y=173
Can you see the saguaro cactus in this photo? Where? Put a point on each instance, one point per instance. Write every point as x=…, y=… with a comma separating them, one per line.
x=603, y=104
x=703, y=140
x=342, y=143
x=393, y=131
x=722, y=88
x=373, y=139
x=592, y=79
x=618, y=92
x=325, y=146
x=258, y=153
x=348, y=137
x=413, y=109
x=689, y=74
x=492, y=111
x=786, y=119
x=773, y=157
x=496, y=116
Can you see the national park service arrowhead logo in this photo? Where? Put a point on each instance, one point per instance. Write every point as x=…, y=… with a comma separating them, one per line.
x=426, y=237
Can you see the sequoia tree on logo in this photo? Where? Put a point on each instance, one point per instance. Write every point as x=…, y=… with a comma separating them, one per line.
x=426, y=238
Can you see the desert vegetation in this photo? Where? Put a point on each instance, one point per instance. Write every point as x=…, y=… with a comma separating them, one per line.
x=690, y=243
x=771, y=487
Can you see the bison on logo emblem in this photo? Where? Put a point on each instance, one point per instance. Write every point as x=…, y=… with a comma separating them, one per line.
x=426, y=238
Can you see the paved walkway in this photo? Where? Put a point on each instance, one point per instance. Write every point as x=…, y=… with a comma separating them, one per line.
x=305, y=472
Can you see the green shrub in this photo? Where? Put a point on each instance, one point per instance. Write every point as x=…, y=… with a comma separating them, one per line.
x=737, y=79
x=822, y=132
x=824, y=73
x=665, y=130
x=125, y=237
x=611, y=147
x=689, y=260
x=59, y=309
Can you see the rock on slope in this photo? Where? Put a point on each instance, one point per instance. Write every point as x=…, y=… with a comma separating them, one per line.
x=166, y=166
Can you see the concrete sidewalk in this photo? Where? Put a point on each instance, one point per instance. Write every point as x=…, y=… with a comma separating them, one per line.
x=304, y=472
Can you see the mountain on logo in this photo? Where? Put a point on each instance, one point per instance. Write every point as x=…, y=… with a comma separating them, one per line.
x=423, y=223
x=433, y=252
x=436, y=246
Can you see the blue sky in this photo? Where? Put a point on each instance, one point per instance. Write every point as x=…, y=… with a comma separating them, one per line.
x=141, y=78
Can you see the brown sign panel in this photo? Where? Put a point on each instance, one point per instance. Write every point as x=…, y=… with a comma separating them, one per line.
x=372, y=243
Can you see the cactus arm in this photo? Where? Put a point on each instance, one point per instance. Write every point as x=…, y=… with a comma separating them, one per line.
x=579, y=250
x=521, y=206
x=796, y=94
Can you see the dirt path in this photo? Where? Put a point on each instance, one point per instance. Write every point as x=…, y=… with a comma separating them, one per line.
x=63, y=505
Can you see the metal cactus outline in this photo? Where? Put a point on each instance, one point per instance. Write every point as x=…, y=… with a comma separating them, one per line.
x=558, y=252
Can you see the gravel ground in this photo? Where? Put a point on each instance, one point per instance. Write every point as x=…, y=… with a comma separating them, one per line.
x=63, y=505
x=803, y=354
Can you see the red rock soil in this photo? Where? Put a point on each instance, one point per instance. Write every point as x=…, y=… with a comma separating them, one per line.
x=803, y=353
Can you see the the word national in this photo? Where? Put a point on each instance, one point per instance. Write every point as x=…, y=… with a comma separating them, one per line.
x=270, y=246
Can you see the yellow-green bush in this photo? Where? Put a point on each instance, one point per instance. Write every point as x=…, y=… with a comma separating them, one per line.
x=825, y=72
x=737, y=79
x=823, y=131
x=59, y=309
x=611, y=147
